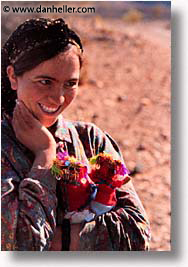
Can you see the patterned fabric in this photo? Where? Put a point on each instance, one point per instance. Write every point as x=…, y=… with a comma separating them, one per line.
x=30, y=207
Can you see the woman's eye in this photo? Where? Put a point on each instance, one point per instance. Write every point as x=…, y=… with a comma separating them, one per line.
x=45, y=82
x=71, y=84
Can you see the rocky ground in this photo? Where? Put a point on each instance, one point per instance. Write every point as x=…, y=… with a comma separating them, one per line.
x=125, y=90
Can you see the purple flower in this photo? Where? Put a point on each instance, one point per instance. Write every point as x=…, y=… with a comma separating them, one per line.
x=123, y=170
x=62, y=155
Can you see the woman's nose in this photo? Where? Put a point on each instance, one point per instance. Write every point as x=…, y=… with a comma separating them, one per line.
x=57, y=96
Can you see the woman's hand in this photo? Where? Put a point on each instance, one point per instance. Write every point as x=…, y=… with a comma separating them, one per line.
x=31, y=133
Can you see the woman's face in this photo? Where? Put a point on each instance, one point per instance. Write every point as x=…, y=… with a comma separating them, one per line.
x=50, y=87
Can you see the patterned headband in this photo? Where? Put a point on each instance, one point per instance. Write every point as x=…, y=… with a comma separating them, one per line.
x=38, y=34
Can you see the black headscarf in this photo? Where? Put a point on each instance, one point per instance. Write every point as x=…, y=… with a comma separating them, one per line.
x=33, y=42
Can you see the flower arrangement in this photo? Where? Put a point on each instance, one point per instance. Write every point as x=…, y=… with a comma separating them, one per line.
x=106, y=175
x=74, y=178
x=69, y=169
x=106, y=170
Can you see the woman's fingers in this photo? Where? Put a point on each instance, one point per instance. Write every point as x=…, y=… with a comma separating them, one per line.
x=29, y=131
x=19, y=124
x=26, y=117
x=19, y=118
x=15, y=120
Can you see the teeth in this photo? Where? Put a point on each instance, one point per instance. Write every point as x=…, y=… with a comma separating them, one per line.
x=47, y=109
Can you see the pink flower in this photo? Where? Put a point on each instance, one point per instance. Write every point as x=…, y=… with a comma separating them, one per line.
x=62, y=155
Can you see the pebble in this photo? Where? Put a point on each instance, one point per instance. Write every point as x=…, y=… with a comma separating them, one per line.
x=145, y=101
x=98, y=84
x=140, y=147
x=121, y=98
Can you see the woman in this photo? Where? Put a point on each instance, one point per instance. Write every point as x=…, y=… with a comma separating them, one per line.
x=41, y=64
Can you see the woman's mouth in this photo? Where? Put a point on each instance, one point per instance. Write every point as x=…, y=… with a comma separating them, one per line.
x=48, y=110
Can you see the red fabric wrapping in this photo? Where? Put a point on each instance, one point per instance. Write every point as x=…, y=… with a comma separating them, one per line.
x=106, y=195
x=77, y=195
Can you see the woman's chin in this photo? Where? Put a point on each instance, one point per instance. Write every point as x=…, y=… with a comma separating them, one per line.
x=48, y=123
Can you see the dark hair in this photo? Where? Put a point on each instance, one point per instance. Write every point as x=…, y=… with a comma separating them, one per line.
x=33, y=42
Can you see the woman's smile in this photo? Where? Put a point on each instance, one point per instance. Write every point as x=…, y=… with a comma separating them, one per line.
x=48, y=110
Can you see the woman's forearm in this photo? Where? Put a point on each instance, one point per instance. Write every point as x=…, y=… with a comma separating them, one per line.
x=28, y=209
x=44, y=159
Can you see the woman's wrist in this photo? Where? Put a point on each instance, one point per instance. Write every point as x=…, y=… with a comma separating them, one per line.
x=41, y=169
x=44, y=159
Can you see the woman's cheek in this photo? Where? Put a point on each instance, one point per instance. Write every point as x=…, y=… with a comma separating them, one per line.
x=69, y=99
x=72, y=94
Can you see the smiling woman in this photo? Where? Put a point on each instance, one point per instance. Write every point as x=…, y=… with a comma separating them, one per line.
x=51, y=200
x=45, y=90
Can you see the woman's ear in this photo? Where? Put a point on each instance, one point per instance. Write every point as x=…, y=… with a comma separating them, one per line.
x=12, y=77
